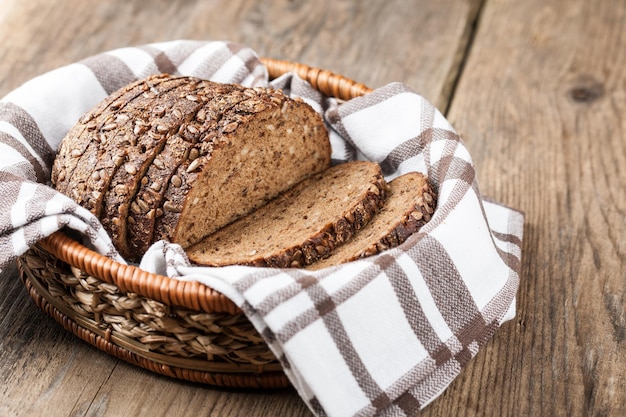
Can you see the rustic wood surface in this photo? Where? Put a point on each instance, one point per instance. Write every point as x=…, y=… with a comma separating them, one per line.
x=537, y=89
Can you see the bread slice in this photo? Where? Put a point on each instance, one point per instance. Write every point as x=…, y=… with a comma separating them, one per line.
x=302, y=225
x=150, y=195
x=409, y=205
x=181, y=148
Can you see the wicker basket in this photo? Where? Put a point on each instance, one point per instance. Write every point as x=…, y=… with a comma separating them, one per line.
x=181, y=329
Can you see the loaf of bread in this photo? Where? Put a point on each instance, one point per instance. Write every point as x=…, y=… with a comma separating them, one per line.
x=409, y=205
x=178, y=158
x=302, y=225
x=235, y=175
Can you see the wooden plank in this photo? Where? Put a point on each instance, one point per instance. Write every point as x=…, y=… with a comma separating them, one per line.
x=48, y=372
x=40, y=364
x=541, y=106
x=374, y=43
x=156, y=395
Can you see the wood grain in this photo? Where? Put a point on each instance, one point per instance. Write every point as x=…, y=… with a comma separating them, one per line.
x=541, y=105
x=47, y=372
x=419, y=43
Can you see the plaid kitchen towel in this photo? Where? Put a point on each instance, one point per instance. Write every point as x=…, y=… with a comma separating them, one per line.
x=384, y=335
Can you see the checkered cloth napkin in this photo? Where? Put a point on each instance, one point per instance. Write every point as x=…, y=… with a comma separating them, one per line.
x=383, y=335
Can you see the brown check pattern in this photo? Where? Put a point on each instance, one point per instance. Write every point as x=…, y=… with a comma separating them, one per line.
x=381, y=336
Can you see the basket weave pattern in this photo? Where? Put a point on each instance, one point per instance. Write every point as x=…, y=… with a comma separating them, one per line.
x=162, y=328
x=175, y=328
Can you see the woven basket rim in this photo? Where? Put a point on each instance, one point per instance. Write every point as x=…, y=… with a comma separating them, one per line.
x=192, y=295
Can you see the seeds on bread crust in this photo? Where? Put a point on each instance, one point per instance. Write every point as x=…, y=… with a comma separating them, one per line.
x=69, y=152
x=148, y=141
x=220, y=99
x=157, y=176
x=87, y=132
x=409, y=205
x=300, y=226
x=106, y=150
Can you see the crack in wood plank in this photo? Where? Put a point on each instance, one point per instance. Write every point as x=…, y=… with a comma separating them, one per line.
x=463, y=52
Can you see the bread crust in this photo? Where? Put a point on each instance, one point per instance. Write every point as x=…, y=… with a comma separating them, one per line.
x=409, y=206
x=144, y=138
x=87, y=131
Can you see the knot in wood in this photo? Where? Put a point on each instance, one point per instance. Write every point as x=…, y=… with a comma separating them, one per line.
x=587, y=90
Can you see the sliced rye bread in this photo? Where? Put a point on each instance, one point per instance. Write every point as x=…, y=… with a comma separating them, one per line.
x=259, y=149
x=150, y=195
x=409, y=205
x=88, y=130
x=182, y=146
x=302, y=225
x=249, y=155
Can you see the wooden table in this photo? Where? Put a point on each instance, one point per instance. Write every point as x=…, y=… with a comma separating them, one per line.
x=536, y=88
